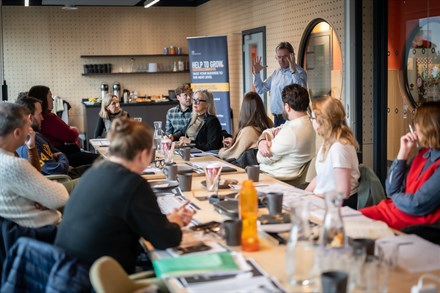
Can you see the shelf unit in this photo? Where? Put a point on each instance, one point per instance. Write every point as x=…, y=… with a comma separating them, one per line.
x=175, y=56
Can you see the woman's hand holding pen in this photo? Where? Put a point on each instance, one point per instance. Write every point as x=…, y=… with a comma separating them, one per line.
x=181, y=216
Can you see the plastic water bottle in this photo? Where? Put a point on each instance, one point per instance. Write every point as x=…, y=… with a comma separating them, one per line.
x=249, y=214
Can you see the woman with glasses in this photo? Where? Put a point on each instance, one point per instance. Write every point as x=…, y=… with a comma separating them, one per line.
x=109, y=218
x=413, y=186
x=204, y=129
x=110, y=110
x=253, y=121
x=337, y=166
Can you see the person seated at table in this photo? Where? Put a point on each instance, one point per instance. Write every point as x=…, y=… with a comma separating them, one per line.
x=110, y=110
x=284, y=150
x=61, y=135
x=26, y=196
x=178, y=117
x=337, y=166
x=253, y=121
x=50, y=160
x=109, y=218
x=204, y=129
x=413, y=187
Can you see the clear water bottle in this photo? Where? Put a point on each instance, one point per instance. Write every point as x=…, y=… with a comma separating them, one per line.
x=300, y=252
x=332, y=232
x=157, y=135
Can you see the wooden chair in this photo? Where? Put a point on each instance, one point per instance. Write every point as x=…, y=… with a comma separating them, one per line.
x=107, y=276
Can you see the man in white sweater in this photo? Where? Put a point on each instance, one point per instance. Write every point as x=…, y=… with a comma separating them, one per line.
x=26, y=197
x=283, y=150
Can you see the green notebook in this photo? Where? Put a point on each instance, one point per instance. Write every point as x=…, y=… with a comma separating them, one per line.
x=212, y=263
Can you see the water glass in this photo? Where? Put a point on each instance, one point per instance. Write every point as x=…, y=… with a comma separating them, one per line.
x=212, y=173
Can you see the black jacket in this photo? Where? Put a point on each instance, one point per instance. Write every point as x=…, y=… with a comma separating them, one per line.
x=209, y=136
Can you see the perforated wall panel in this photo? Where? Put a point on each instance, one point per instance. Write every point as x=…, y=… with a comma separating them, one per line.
x=43, y=46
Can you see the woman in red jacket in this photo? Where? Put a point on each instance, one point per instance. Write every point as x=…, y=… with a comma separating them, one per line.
x=414, y=188
x=61, y=135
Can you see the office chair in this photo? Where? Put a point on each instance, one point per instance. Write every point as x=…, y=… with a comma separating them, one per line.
x=107, y=276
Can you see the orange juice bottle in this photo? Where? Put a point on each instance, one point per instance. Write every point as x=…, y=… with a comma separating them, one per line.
x=249, y=214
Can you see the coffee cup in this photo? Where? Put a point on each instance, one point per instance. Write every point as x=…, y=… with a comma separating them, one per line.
x=253, y=172
x=185, y=181
x=170, y=170
x=232, y=229
x=185, y=153
x=274, y=202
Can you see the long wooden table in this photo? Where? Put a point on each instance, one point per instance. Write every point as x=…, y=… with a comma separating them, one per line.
x=271, y=256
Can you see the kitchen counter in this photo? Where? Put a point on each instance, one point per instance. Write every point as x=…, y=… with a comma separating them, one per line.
x=147, y=112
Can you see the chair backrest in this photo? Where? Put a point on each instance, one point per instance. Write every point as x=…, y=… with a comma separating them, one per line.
x=107, y=276
x=35, y=266
x=11, y=232
x=370, y=190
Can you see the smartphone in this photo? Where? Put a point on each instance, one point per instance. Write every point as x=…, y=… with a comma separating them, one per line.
x=197, y=247
x=206, y=226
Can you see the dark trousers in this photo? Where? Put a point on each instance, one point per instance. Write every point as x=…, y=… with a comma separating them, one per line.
x=352, y=201
x=278, y=119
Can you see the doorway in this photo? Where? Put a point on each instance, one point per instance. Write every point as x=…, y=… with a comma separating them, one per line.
x=253, y=44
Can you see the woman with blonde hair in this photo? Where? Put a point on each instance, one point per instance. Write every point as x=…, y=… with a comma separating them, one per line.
x=113, y=206
x=413, y=187
x=253, y=121
x=204, y=128
x=110, y=110
x=337, y=166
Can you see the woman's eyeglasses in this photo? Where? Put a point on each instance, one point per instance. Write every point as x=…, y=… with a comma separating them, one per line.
x=197, y=101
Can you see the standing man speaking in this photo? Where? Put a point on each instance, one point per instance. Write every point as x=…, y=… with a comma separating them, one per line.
x=288, y=73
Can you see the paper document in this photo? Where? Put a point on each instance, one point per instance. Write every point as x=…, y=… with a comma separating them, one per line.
x=415, y=254
x=252, y=280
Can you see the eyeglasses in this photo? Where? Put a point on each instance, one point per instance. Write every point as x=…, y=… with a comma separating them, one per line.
x=310, y=114
x=159, y=163
x=279, y=58
x=197, y=101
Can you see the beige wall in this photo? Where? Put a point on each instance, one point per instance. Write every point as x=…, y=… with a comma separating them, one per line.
x=43, y=44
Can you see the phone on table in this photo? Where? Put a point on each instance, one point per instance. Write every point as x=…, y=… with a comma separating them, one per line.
x=193, y=247
x=206, y=226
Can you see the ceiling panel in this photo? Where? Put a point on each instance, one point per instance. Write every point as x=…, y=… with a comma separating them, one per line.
x=115, y=3
x=91, y=2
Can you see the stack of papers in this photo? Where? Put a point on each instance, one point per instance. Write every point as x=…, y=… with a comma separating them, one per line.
x=253, y=280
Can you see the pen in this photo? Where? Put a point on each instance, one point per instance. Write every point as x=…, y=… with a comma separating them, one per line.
x=412, y=131
x=184, y=205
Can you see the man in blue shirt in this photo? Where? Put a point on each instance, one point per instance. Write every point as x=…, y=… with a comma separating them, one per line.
x=288, y=73
x=178, y=117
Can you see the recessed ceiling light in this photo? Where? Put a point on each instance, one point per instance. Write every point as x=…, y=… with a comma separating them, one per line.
x=26, y=3
x=149, y=3
x=69, y=7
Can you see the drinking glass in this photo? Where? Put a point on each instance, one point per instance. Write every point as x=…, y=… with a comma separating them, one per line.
x=212, y=173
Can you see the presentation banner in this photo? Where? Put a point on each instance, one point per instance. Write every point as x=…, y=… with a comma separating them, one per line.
x=208, y=62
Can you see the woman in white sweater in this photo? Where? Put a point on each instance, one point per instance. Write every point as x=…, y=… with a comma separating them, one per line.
x=26, y=197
